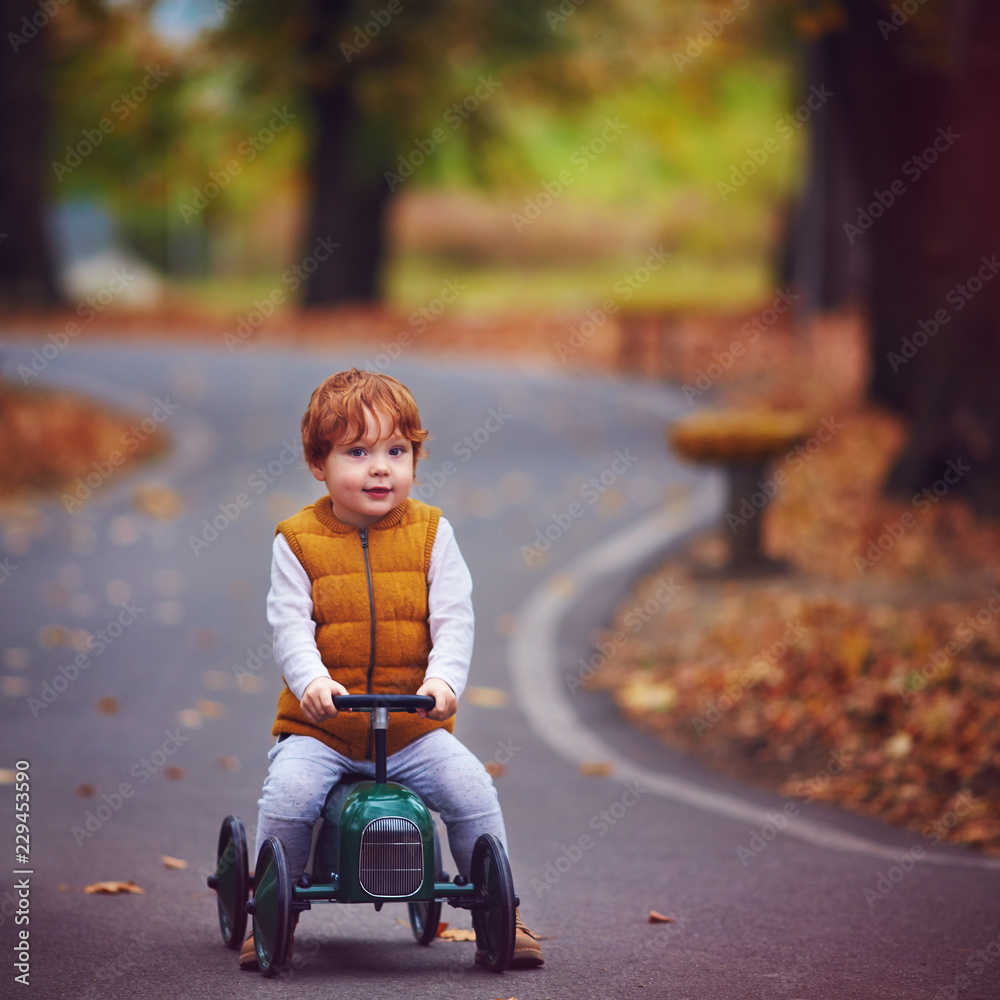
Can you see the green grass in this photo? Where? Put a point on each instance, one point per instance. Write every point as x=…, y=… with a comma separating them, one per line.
x=688, y=283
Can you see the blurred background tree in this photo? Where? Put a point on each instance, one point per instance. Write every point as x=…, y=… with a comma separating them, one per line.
x=901, y=214
x=27, y=275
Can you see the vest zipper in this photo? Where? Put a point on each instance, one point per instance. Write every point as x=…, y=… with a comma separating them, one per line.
x=371, y=655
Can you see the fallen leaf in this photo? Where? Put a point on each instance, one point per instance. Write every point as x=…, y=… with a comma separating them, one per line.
x=457, y=934
x=659, y=918
x=14, y=687
x=596, y=768
x=189, y=718
x=216, y=680
x=7, y=776
x=108, y=706
x=203, y=638
x=228, y=763
x=113, y=888
x=156, y=501
x=174, y=863
x=174, y=773
x=86, y=790
x=495, y=770
x=486, y=697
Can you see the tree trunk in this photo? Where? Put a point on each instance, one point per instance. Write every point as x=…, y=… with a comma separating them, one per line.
x=917, y=106
x=349, y=201
x=26, y=272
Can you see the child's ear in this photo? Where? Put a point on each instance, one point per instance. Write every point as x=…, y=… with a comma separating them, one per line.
x=317, y=471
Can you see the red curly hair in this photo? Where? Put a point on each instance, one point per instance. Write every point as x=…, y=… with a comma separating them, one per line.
x=336, y=412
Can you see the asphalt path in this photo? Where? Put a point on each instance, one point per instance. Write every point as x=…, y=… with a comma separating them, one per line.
x=557, y=487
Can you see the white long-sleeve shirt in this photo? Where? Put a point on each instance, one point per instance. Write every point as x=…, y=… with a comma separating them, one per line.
x=449, y=602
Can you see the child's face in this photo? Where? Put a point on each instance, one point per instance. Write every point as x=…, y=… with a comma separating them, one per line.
x=368, y=477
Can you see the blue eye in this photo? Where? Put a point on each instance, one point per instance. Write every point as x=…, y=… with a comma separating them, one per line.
x=356, y=452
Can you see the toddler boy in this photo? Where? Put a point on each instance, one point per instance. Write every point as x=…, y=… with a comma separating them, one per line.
x=369, y=593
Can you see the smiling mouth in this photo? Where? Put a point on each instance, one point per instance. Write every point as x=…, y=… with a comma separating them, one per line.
x=378, y=491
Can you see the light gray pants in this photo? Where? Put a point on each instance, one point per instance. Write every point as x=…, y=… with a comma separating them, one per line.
x=446, y=775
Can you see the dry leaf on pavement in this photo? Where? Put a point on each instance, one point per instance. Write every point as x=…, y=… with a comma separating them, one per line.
x=456, y=934
x=596, y=768
x=113, y=888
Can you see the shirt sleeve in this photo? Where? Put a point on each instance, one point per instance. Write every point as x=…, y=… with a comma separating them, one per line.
x=290, y=614
x=450, y=616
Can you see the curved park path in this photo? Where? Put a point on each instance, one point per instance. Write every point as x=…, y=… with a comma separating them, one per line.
x=556, y=486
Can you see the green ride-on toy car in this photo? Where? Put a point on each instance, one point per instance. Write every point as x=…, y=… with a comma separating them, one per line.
x=378, y=844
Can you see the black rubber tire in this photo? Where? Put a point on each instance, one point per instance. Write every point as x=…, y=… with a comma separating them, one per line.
x=272, y=907
x=424, y=919
x=425, y=915
x=232, y=881
x=494, y=923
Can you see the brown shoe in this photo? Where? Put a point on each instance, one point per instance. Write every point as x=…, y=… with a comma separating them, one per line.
x=527, y=950
x=248, y=953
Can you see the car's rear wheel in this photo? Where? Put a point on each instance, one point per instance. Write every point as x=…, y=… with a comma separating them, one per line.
x=231, y=881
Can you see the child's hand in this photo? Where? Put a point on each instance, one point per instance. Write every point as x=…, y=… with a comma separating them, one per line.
x=317, y=701
x=445, y=701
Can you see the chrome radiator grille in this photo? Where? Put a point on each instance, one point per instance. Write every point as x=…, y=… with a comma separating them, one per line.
x=392, y=857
